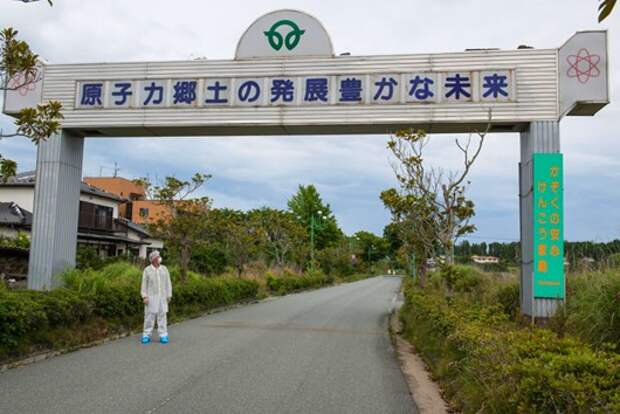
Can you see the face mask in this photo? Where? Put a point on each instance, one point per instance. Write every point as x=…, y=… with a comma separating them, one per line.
x=159, y=260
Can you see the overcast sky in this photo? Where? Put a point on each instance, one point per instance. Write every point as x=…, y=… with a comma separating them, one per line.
x=349, y=171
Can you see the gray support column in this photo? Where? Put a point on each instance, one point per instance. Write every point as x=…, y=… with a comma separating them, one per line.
x=542, y=137
x=56, y=209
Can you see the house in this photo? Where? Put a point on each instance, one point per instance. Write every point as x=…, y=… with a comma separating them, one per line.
x=137, y=207
x=485, y=259
x=13, y=218
x=100, y=224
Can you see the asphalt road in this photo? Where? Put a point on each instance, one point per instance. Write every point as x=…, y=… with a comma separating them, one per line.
x=325, y=351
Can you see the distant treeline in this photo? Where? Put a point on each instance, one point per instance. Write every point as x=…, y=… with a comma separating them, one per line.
x=511, y=252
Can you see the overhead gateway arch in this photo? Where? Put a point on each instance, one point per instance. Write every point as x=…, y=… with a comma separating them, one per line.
x=286, y=79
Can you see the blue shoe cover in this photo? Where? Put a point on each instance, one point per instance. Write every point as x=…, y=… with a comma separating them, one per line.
x=163, y=339
x=146, y=339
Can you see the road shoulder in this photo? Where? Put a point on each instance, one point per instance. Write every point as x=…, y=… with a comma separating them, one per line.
x=425, y=391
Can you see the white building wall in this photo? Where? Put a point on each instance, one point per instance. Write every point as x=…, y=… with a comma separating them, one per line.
x=22, y=196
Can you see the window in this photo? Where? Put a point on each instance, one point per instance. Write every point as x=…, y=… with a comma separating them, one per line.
x=95, y=217
x=144, y=212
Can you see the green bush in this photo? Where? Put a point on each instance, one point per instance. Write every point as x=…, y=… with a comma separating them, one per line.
x=20, y=241
x=292, y=283
x=508, y=296
x=461, y=278
x=111, y=297
x=336, y=261
x=487, y=364
x=494, y=267
x=18, y=316
x=613, y=261
x=209, y=259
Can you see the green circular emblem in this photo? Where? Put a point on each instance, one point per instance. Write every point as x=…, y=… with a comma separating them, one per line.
x=290, y=41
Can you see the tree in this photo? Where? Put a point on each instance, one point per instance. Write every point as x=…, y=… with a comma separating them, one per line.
x=19, y=69
x=242, y=238
x=184, y=223
x=337, y=260
x=280, y=233
x=438, y=194
x=605, y=8
x=145, y=183
x=413, y=216
x=391, y=234
x=307, y=203
x=371, y=247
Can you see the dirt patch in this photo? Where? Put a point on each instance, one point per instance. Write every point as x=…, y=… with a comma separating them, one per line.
x=425, y=391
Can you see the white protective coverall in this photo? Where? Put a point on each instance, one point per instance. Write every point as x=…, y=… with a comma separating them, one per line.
x=157, y=287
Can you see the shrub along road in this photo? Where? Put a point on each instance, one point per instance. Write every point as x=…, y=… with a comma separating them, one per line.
x=324, y=351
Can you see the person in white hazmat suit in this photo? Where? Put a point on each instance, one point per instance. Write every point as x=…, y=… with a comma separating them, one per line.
x=156, y=292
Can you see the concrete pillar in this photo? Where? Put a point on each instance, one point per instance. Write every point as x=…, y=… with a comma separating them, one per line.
x=56, y=209
x=541, y=137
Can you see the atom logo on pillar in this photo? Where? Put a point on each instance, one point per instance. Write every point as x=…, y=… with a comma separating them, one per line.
x=23, y=83
x=583, y=66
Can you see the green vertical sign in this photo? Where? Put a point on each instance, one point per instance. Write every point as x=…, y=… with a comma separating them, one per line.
x=548, y=238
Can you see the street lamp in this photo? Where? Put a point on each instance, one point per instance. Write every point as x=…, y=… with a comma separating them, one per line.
x=370, y=248
x=316, y=223
x=372, y=266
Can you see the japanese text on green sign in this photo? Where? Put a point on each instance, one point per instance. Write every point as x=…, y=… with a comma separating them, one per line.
x=548, y=226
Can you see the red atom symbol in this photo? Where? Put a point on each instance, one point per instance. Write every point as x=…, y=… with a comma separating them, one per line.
x=583, y=66
x=28, y=83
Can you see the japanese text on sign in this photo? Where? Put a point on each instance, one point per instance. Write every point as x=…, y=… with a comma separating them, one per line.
x=423, y=87
x=548, y=226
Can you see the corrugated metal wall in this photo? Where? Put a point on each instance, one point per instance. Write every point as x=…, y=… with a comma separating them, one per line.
x=536, y=93
x=56, y=207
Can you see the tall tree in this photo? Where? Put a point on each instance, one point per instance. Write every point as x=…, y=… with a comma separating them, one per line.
x=242, y=239
x=371, y=247
x=280, y=233
x=391, y=233
x=414, y=217
x=184, y=222
x=306, y=204
x=438, y=193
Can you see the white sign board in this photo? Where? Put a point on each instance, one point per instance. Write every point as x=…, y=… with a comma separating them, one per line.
x=284, y=33
x=489, y=86
x=583, y=73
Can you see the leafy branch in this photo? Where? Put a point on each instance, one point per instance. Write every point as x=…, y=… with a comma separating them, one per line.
x=605, y=9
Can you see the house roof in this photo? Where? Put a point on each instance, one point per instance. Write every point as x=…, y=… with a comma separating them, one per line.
x=134, y=226
x=13, y=215
x=27, y=179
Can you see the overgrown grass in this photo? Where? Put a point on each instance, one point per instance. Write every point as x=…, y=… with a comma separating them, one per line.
x=97, y=303
x=592, y=309
x=463, y=324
